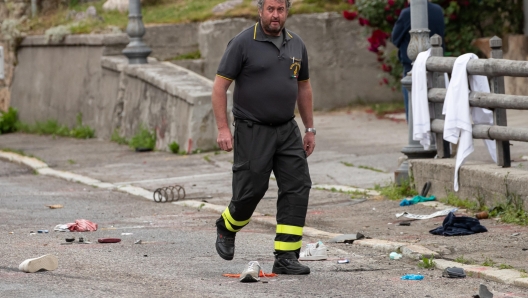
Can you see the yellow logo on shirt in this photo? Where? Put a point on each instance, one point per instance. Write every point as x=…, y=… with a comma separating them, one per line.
x=295, y=67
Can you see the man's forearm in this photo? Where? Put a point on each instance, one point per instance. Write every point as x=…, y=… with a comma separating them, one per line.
x=305, y=103
x=219, y=102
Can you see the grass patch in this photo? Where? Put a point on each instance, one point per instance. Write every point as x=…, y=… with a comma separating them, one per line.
x=53, y=127
x=512, y=209
x=118, y=139
x=207, y=158
x=454, y=200
x=381, y=109
x=463, y=260
x=371, y=169
x=488, y=262
x=71, y=161
x=396, y=192
x=187, y=56
x=144, y=139
x=505, y=266
x=347, y=164
x=427, y=263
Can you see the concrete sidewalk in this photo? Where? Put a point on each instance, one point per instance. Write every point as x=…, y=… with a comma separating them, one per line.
x=354, y=149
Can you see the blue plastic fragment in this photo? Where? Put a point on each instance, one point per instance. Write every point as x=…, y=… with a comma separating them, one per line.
x=412, y=277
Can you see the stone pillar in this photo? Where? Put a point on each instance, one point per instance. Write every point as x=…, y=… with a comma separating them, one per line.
x=419, y=43
x=136, y=51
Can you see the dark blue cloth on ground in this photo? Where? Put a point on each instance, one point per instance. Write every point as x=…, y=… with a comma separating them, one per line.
x=458, y=226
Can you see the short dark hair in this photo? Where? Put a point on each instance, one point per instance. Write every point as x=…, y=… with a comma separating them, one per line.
x=260, y=4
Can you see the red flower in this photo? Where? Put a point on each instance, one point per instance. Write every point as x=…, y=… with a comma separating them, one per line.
x=350, y=15
x=363, y=22
x=386, y=81
x=386, y=67
x=352, y=2
x=387, y=7
x=390, y=19
x=397, y=12
x=453, y=17
x=391, y=2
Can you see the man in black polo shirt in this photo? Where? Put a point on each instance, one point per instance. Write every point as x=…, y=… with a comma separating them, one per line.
x=270, y=67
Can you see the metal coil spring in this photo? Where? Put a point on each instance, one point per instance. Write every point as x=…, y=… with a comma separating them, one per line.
x=169, y=194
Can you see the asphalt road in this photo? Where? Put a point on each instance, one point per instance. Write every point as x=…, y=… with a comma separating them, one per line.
x=177, y=256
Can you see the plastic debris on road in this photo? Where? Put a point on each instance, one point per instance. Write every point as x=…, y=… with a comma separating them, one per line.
x=343, y=261
x=419, y=216
x=347, y=238
x=416, y=199
x=108, y=240
x=82, y=225
x=395, y=256
x=61, y=228
x=261, y=274
x=412, y=277
x=56, y=206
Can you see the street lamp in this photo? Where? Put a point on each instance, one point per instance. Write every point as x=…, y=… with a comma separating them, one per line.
x=419, y=43
x=136, y=51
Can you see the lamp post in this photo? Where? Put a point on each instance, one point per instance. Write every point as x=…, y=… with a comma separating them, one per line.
x=136, y=51
x=419, y=43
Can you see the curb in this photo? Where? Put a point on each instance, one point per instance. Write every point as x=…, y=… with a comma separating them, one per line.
x=506, y=276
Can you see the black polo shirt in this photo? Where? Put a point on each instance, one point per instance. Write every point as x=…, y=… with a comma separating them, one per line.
x=265, y=77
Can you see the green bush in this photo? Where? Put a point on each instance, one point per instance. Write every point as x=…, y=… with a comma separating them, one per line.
x=174, y=147
x=144, y=139
x=8, y=120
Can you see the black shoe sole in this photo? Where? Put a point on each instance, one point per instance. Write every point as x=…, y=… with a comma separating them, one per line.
x=224, y=256
x=278, y=270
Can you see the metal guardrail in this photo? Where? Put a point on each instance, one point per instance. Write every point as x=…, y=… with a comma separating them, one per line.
x=495, y=69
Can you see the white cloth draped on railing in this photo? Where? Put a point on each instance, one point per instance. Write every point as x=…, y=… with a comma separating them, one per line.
x=458, y=122
x=420, y=105
x=458, y=114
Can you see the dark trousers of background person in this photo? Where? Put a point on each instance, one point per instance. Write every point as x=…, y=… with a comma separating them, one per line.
x=258, y=150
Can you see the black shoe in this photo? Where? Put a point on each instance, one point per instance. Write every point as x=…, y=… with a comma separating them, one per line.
x=225, y=246
x=289, y=266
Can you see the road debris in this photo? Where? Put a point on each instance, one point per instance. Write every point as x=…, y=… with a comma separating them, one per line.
x=412, y=277
x=482, y=215
x=169, y=194
x=347, y=238
x=454, y=272
x=416, y=200
x=419, y=216
x=108, y=240
x=56, y=206
x=459, y=226
x=82, y=225
x=46, y=262
x=314, y=252
x=395, y=256
x=343, y=261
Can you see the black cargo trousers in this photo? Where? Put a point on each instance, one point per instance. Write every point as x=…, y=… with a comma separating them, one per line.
x=258, y=150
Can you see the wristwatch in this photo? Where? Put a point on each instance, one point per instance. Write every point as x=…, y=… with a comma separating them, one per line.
x=311, y=129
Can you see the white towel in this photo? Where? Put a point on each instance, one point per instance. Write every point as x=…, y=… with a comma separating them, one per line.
x=420, y=104
x=456, y=108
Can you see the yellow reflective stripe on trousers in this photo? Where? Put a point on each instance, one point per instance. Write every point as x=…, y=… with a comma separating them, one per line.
x=228, y=225
x=288, y=246
x=291, y=230
x=229, y=221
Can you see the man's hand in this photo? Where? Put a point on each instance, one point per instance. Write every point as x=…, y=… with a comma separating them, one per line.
x=309, y=143
x=225, y=139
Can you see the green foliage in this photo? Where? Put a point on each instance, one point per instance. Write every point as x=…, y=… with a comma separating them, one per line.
x=53, y=127
x=8, y=121
x=512, y=209
x=347, y=164
x=488, y=262
x=117, y=138
x=463, y=260
x=174, y=147
x=427, y=263
x=371, y=169
x=81, y=131
x=454, y=200
x=397, y=192
x=465, y=21
x=187, y=56
x=143, y=139
x=505, y=266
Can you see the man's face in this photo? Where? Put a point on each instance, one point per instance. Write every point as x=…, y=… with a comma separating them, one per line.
x=273, y=16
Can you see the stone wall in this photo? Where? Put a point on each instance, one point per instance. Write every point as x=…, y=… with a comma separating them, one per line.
x=171, y=100
x=60, y=80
